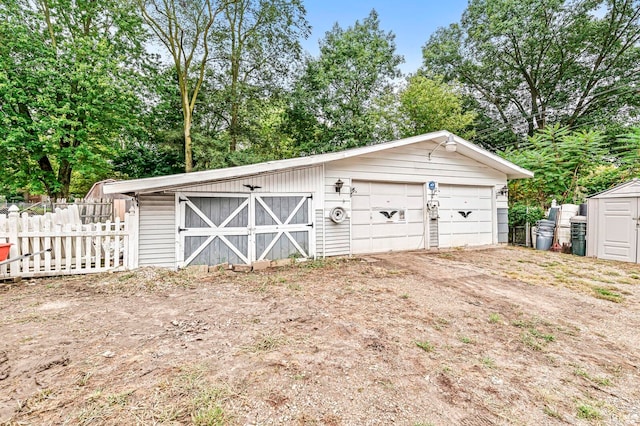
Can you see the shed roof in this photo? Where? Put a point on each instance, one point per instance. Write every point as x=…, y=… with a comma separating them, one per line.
x=624, y=190
x=464, y=147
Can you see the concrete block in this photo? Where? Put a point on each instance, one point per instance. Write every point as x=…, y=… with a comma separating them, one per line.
x=220, y=267
x=281, y=262
x=242, y=268
x=261, y=265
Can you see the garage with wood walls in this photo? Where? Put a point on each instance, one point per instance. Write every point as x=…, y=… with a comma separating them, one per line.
x=429, y=191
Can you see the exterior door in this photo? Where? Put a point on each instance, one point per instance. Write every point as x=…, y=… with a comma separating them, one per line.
x=618, y=226
x=387, y=216
x=242, y=228
x=465, y=216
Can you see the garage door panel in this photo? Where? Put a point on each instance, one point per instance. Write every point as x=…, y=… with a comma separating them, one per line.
x=387, y=216
x=388, y=200
x=360, y=216
x=386, y=188
x=474, y=226
x=414, y=203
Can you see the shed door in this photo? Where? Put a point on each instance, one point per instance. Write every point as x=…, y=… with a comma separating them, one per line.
x=242, y=228
x=465, y=215
x=387, y=216
x=618, y=223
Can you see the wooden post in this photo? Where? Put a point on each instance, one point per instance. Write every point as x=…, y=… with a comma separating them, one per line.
x=133, y=238
x=14, y=251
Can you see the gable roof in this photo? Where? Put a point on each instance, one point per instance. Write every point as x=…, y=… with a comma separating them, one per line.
x=627, y=189
x=464, y=147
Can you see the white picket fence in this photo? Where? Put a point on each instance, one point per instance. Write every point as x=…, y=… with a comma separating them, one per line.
x=59, y=244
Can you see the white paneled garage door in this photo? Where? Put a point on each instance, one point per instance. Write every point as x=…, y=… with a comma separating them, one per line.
x=466, y=216
x=387, y=216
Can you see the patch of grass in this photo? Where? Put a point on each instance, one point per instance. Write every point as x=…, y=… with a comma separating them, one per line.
x=404, y=296
x=425, y=346
x=602, y=381
x=546, y=337
x=488, y=362
x=267, y=343
x=465, y=339
x=551, y=412
x=294, y=286
x=494, y=318
x=83, y=378
x=606, y=294
x=586, y=411
x=530, y=341
x=121, y=398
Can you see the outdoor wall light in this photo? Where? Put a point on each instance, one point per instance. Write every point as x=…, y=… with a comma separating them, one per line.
x=339, y=185
x=450, y=145
x=503, y=191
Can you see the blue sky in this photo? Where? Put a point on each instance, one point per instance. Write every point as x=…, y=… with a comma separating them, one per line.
x=412, y=21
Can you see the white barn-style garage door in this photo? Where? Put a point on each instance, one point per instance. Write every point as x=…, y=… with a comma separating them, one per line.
x=242, y=228
x=387, y=216
x=465, y=215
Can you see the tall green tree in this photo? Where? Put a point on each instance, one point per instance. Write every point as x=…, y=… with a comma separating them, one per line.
x=530, y=62
x=69, y=86
x=336, y=101
x=257, y=45
x=430, y=104
x=184, y=27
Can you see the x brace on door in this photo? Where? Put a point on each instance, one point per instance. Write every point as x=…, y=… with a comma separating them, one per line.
x=283, y=222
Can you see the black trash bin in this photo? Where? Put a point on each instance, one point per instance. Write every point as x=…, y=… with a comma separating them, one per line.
x=579, y=235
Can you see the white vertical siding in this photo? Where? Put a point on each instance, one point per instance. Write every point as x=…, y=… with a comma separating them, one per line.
x=318, y=225
x=157, y=242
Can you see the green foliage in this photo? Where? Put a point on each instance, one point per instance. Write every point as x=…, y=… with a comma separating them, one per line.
x=520, y=214
x=531, y=63
x=559, y=158
x=428, y=105
x=425, y=346
x=70, y=75
x=586, y=411
x=336, y=101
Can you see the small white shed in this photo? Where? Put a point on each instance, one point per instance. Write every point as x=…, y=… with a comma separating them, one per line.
x=428, y=191
x=612, y=223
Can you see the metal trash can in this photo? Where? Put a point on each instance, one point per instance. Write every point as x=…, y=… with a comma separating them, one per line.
x=579, y=235
x=544, y=236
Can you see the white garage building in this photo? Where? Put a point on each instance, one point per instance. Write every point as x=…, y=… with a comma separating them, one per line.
x=429, y=191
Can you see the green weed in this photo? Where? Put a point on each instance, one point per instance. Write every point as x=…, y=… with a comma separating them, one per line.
x=425, y=346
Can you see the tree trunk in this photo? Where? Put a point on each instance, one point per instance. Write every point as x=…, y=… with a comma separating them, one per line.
x=64, y=178
x=188, y=145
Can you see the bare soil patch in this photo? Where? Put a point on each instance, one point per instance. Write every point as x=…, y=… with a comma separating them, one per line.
x=470, y=337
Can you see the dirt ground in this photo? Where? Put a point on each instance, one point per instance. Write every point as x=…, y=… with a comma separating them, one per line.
x=468, y=337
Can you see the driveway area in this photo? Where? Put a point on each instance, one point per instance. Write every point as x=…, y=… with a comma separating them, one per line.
x=497, y=335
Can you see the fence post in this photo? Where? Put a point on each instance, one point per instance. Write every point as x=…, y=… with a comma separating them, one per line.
x=14, y=251
x=527, y=231
x=131, y=225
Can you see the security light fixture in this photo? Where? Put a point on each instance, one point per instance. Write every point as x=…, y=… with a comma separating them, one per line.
x=339, y=185
x=450, y=145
